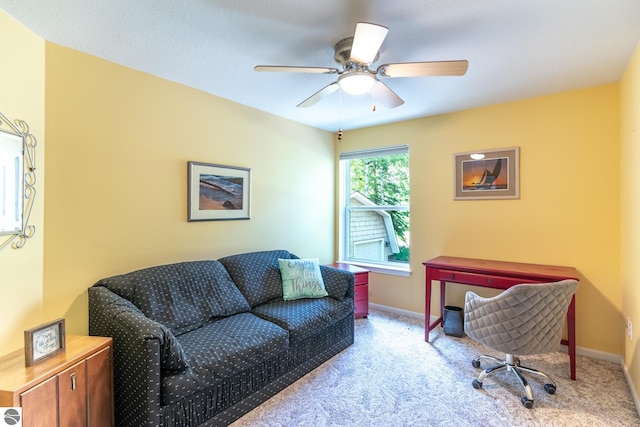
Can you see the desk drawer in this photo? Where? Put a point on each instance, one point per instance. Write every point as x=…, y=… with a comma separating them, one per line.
x=362, y=278
x=361, y=303
x=498, y=282
x=361, y=293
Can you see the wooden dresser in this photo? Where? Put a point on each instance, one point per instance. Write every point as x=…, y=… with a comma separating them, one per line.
x=72, y=388
x=361, y=287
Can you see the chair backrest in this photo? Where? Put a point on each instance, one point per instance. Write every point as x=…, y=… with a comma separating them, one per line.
x=524, y=319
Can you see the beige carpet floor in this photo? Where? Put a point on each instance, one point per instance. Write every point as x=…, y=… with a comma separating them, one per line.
x=392, y=377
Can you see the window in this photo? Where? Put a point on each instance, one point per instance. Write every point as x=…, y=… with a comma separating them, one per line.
x=375, y=207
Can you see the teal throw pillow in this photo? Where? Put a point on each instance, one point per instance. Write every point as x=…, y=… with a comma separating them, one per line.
x=301, y=278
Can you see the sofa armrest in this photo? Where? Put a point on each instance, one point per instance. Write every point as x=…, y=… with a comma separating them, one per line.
x=141, y=349
x=338, y=283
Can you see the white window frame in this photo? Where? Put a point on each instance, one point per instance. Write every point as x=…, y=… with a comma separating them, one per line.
x=344, y=189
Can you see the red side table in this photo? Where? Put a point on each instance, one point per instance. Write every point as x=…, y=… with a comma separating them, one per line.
x=361, y=287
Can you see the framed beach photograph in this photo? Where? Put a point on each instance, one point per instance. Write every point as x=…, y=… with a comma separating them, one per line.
x=487, y=174
x=218, y=192
x=44, y=341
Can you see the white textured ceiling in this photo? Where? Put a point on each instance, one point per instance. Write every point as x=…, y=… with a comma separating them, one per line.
x=516, y=49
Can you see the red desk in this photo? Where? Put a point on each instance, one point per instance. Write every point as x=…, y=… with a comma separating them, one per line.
x=498, y=275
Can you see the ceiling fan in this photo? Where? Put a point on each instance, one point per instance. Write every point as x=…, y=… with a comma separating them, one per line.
x=356, y=54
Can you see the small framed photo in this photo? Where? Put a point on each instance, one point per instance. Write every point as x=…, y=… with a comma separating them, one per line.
x=44, y=341
x=487, y=174
x=218, y=192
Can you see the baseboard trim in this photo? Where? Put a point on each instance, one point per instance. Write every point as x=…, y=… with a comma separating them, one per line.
x=582, y=351
x=399, y=311
x=632, y=389
x=596, y=354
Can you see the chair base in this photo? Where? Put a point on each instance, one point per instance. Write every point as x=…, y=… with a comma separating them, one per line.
x=512, y=364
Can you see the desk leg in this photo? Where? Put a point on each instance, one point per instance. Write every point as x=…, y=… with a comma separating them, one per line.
x=570, y=342
x=442, y=295
x=427, y=305
x=428, y=326
x=571, y=329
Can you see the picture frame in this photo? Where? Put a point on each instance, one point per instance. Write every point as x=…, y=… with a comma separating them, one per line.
x=218, y=192
x=17, y=182
x=487, y=174
x=44, y=341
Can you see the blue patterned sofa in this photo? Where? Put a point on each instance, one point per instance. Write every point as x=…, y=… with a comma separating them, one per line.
x=204, y=342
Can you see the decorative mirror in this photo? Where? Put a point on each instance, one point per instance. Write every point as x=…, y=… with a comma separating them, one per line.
x=17, y=182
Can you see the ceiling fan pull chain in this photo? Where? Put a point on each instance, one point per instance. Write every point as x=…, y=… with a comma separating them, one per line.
x=340, y=133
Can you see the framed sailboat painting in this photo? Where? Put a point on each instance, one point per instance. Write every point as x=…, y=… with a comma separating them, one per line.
x=487, y=174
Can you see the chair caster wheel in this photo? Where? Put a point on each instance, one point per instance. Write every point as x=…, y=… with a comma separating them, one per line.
x=475, y=363
x=526, y=402
x=550, y=388
x=476, y=384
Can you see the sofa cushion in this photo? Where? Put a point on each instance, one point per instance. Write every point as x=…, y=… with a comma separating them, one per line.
x=181, y=296
x=257, y=274
x=304, y=317
x=222, y=348
x=301, y=278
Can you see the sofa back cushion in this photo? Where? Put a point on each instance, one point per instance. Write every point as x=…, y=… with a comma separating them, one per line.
x=181, y=296
x=257, y=274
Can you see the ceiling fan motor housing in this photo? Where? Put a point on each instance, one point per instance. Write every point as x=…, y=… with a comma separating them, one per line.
x=342, y=53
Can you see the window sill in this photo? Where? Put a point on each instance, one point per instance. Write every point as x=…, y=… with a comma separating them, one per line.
x=382, y=269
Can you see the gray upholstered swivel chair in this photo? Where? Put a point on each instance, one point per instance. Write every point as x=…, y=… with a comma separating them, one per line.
x=523, y=320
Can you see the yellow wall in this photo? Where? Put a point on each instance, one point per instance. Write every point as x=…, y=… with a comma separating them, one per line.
x=567, y=213
x=630, y=211
x=22, y=97
x=118, y=143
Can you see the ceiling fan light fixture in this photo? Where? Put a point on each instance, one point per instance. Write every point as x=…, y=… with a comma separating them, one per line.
x=356, y=82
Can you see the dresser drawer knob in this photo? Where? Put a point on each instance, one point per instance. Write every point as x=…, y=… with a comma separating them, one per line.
x=452, y=276
x=490, y=280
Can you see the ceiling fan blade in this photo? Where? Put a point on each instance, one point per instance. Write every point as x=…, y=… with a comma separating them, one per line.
x=322, y=93
x=386, y=96
x=295, y=69
x=419, y=69
x=367, y=41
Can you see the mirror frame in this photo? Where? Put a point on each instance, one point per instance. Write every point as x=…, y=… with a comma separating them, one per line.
x=25, y=183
